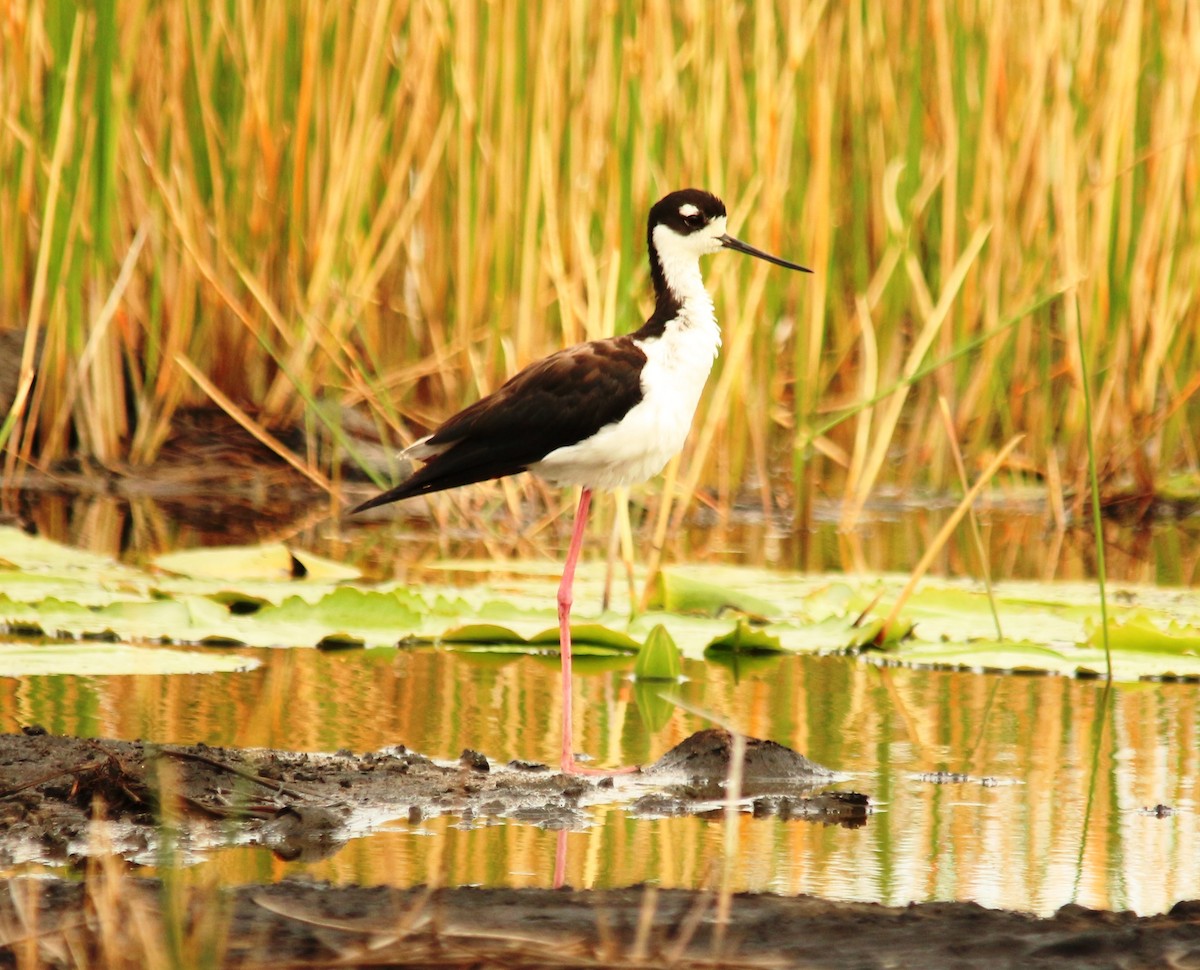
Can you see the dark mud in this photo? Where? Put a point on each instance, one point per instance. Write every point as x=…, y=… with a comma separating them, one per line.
x=301, y=924
x=52, y=789
x=308, y=805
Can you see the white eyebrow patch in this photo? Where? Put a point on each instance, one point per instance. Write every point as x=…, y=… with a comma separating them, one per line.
x=687, y=209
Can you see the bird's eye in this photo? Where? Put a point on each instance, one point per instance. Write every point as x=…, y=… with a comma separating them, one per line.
x=695, y=221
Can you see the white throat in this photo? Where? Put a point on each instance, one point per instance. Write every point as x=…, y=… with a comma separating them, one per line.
x=680, y=261
x=677, y=365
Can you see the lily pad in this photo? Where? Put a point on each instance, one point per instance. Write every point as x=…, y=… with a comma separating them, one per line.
x=269, y=561
x=677, y=593
x=19, y=550
x=1071, y=660
x=111, y=659
x=586, y=639
x=745, y=639
x=249, y=595
x=483, y=633
x=85, y=587
x=592, y=635
x=1144, y=632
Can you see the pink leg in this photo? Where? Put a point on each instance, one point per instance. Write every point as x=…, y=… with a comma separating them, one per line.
x=560, y=859
x=565, y=599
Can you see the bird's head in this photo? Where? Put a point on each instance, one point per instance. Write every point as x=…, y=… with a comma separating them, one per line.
x=691, y=223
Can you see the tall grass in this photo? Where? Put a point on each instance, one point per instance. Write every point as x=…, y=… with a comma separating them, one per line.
x=395, y=205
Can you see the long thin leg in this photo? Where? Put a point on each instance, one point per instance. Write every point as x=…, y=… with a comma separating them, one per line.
x=566, y=597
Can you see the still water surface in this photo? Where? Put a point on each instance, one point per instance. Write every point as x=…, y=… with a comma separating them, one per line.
x=1054, y=797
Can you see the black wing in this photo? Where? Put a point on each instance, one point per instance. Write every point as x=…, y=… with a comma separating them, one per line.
x=557, y=401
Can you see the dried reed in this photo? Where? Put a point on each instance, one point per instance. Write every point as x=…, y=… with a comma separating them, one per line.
x=399, y=204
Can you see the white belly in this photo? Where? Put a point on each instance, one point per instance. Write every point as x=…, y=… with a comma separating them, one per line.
x=625, y=453
x=652, y=432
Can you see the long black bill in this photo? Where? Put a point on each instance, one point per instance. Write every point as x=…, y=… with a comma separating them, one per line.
x=730, y=243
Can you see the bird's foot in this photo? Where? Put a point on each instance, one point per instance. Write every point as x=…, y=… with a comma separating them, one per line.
x=570, y=766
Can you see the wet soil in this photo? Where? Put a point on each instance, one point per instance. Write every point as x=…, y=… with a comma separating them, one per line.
x=55, y=790
x=302, y=924
x=308, y=805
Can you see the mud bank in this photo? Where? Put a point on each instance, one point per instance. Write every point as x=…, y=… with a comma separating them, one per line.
x=54, y=791
x=301, y=804
x=300, y=924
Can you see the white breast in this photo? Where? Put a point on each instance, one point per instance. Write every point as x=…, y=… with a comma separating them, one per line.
x=637, y=447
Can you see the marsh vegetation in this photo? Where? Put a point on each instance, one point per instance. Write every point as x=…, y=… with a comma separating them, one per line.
x=262, y=246
x=283, y=212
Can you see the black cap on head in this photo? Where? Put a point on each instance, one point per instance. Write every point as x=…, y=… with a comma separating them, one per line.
x=685, y=211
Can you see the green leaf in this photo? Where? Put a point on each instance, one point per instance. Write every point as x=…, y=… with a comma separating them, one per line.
x=86, y=588
x=111, y=659
x=319, y=569
x=674, y=593
x=478, y=633
x=870, y=633
x=743, y=639
x=268, y=561
x=1025, y=657
x=340, y=641
x=1145, y=632
x=659, y=657
x=374, y=618
x=247, y=595
x=591, y=635
x=243, y=592
x=18, y=550
x=586, y=639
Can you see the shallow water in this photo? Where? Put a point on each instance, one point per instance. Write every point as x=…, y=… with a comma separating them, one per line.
x=1046, y=815
x=1048, y=786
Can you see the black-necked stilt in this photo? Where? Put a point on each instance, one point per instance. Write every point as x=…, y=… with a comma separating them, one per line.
x=603, y=414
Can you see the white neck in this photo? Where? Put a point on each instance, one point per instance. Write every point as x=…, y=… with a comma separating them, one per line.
x=681, y=271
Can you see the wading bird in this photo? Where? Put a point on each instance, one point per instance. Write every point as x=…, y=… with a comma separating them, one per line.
x=604, y=414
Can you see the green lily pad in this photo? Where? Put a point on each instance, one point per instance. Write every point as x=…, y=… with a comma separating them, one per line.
x=676, y=593
x=745, y=639
x=248, y=595
x=591, y=635
x=586, y=639
x=1071, y=660
x=1144, y=632
x=244, y=593
x=86, y=588
x=269, y=561
x=340, y=641
x=366, y=616
x=483, y=633
x=19, y=550
x=111, y=659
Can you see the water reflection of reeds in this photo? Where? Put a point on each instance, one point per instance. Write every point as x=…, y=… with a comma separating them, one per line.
x=1019, y=843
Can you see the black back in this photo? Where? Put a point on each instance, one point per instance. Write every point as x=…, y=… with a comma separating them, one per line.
x=559, y=400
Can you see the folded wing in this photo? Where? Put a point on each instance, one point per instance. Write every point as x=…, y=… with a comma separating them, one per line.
x=560, y=400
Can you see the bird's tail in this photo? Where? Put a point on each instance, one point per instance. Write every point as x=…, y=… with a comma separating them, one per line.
x=462, y=463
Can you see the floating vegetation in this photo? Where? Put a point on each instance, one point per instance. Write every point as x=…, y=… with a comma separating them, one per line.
x=94, y=659
x=235, y=596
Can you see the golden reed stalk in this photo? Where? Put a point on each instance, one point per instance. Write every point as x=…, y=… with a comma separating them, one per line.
x=337, y=197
